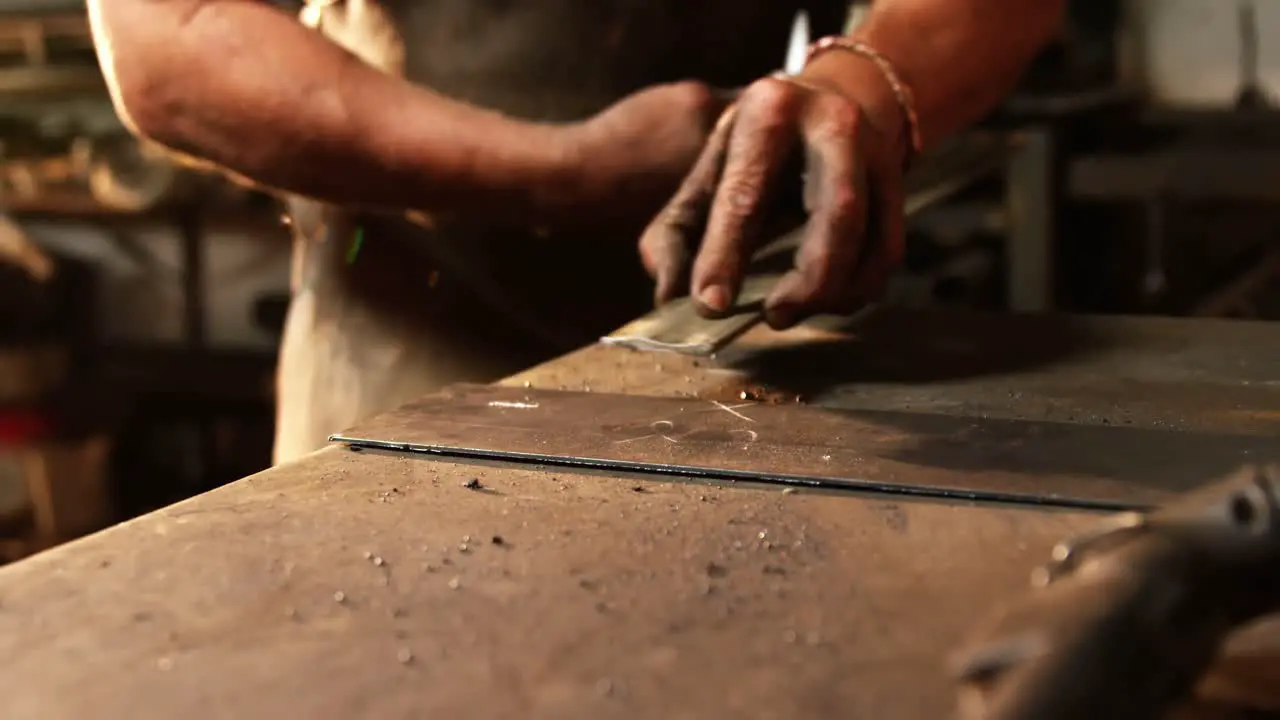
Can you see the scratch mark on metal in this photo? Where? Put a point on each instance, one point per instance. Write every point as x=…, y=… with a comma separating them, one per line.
x=660, y=429
x=513, y=405
x=733, y=409
x=631, y=440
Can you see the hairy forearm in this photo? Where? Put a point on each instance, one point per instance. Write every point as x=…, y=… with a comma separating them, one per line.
x=959, y=57
x=244, y=86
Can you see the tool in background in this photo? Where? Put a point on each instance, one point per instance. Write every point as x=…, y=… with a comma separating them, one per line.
x=19, y=250
x=1125, y=621
x=677, y=326
x=797, y=45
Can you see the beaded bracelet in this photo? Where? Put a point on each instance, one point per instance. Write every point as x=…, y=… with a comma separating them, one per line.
x=901, y=91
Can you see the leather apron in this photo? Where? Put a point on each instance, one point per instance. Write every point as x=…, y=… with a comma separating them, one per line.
x=385, y=310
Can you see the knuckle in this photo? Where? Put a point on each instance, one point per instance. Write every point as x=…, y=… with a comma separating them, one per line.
x=650, y=257
x=650, y=264
x=823, y=259
x=648, y=244
x=837, y=116
x=769, y=95
x=741, y=193
x=844, y=200
x=659, y=246
x=695, y=96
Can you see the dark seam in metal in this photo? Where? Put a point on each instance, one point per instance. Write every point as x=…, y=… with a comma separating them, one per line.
x=783, y=479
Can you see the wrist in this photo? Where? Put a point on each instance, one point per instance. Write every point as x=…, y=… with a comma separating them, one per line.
x=859, y=79
x=582, y=176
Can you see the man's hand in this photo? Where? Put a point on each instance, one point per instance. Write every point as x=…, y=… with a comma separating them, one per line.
x=842, y=121
x=633, y=155
x=852, y=192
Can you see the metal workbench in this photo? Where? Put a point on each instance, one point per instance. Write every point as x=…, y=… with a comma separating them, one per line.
x=388, y=585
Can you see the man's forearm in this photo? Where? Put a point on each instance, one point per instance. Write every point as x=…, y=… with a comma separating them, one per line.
x=243, y=85
x=959, y=57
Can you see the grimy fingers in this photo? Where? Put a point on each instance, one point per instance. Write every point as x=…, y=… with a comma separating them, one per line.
x=886, y=231
x=836, y=192
x=763, y=137
x=666, y=242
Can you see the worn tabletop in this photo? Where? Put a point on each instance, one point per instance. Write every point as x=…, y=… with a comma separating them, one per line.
x=380, y=586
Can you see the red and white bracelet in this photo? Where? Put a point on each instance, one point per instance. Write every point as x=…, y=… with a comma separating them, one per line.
x=901, y=91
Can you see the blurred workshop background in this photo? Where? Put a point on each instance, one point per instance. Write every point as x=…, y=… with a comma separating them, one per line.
x=141, y=302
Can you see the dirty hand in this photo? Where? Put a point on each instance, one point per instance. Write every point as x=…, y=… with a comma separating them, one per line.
x=852, y=192
x=631, y=157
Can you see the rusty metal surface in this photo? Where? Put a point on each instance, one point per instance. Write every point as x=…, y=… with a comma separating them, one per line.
x=606, y=597
x=609, y=596
x=1068, y=465
x=1204, y=375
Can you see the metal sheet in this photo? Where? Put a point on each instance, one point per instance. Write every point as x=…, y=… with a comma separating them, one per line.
x=1059, y=464
x=617, y=597
x=677, y=327
x=607, y=598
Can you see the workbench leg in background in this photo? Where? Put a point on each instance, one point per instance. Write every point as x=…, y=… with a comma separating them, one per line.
x=1029, y=196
